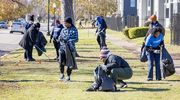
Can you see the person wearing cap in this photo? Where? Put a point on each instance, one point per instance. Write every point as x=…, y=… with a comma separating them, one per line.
x=69, y=33
x=29, y=23
x=154, y=23
x=29, y=40
x=116, y=67
x=101, y=30
x=55, y=34
x=153, y=43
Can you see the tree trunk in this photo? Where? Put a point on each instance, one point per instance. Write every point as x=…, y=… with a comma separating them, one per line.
x=66, y=9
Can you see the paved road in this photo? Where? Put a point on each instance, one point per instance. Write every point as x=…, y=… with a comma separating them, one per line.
x=9, y=42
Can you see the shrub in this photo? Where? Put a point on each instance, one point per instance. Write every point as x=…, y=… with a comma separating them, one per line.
x=138, y=32
x=146, y=24
x=126, y=32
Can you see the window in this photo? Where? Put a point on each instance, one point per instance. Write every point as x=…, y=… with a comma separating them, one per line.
x=167, y=12
x=132, y=3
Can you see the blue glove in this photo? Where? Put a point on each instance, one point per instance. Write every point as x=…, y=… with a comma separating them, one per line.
x=50, y=41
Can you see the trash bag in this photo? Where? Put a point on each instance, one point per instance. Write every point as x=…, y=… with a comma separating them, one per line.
x=168, y=68
x=143, y=56
x=102, y=82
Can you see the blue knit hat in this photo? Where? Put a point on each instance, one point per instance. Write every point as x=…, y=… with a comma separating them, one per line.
x=97, y=18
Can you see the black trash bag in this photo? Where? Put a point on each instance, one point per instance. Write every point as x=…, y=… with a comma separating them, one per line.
x=143, y=56
x=39, y=51
x=168, y=68
x=102, y=82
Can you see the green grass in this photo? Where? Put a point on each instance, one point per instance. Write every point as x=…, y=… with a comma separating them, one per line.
x=85, y=38
x=32, y=80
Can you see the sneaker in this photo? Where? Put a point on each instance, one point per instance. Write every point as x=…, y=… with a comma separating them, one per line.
x=149, y=79
x=123, y=85
x=62, y=77
x=31, y=59
x=56, y=58
x=68, y=79
x=158, y=79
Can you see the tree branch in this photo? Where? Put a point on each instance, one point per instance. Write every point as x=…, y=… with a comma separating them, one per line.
x=18, y=2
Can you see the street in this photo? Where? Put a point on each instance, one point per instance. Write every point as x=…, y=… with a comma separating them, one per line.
x=10, y=42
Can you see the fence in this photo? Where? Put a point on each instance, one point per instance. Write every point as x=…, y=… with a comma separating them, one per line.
x=175, y=30
x=115, y=23
x=132, y=21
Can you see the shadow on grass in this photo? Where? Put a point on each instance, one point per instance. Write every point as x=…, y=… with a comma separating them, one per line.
x=21, y=81
x=145, y=89
x=82, y=81
x=173, y=80
x=139, y=83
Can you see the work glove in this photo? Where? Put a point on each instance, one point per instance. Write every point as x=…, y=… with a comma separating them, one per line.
x=50, y=41
x=157, y=51
x=104, y=67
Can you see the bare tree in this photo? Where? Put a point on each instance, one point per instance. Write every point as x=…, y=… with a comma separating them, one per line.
x=39, y=11
x=66, y=9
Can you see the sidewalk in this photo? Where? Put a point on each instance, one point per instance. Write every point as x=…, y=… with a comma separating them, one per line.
x=133, y=48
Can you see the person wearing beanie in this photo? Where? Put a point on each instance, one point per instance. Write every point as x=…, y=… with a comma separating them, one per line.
x=68, y=34
x=29, y=23
x=154, y=23
x=55, y=34
x=101, y=30
x=29, y=40
x=116, y=67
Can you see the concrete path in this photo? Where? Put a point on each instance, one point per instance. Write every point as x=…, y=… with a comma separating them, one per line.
x=133, y=48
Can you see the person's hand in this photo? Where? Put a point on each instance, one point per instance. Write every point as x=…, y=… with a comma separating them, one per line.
x=103, y=67
x=94, y=33
x=50, y=41
x=157, y=51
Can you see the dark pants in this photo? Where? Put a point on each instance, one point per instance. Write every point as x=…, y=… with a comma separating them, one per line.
x=101, y=40
x=28, y=53
x=154, y=57
x=57, y=46
x=62, y=60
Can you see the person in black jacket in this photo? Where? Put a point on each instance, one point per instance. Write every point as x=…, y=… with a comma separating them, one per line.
x=101, y=30
x=29, y=40
x=55, y=34
x=116, y=67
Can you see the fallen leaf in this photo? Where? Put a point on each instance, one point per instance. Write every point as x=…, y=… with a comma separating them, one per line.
x=19, y=57
x=39, y=62
x=142, y=68
x=19, y=60
x=5, y=57
x=16, y=64
x=134, y=66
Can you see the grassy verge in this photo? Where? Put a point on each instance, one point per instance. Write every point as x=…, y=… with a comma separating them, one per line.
x=85, y=38
x=39, y=80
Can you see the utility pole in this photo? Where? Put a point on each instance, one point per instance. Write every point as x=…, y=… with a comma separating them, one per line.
x=74, y=12
x=48, y=32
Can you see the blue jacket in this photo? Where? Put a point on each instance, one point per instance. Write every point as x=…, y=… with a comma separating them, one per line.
x=101, y=26
x=27, y=26
x=56, y=31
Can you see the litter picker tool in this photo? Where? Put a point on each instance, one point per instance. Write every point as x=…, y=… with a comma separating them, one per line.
x=42, y=52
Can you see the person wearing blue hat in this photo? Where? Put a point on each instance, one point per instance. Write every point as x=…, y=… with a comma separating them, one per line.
x=101, y=30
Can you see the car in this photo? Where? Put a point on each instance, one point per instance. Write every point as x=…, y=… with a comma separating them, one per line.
x=17, y=27
x=3, y=25
x=53, y=24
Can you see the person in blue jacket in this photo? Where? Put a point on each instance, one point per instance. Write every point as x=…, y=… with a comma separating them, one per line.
x=29, y=23
x=153, y=43
x=55, y=34
x=101, y=30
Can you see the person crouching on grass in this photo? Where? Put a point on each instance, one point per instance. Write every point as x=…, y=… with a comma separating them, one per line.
x=116, y=67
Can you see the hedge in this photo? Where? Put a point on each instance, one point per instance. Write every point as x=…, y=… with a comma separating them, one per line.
x=138, y=32
x=125, y=32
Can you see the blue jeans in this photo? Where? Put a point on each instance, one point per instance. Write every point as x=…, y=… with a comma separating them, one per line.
x=154, y=57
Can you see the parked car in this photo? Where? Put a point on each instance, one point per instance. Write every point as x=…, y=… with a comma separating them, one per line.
x=3, y=25
x=17, y=27
x=53, y=24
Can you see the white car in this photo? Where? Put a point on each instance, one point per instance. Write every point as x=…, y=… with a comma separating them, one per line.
x=3, y=25
x=17, y=27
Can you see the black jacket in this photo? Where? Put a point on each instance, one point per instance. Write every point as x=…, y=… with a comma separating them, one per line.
x=114, y=61
x=101, y=27
x=29, y=39
x=40, y=42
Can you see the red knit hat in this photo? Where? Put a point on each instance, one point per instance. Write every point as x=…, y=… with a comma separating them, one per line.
x=153, y=18
x=104, y=52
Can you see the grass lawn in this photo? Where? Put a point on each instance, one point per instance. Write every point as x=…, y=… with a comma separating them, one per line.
x=22, y=80
x=85, y=38
x=39, y=80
